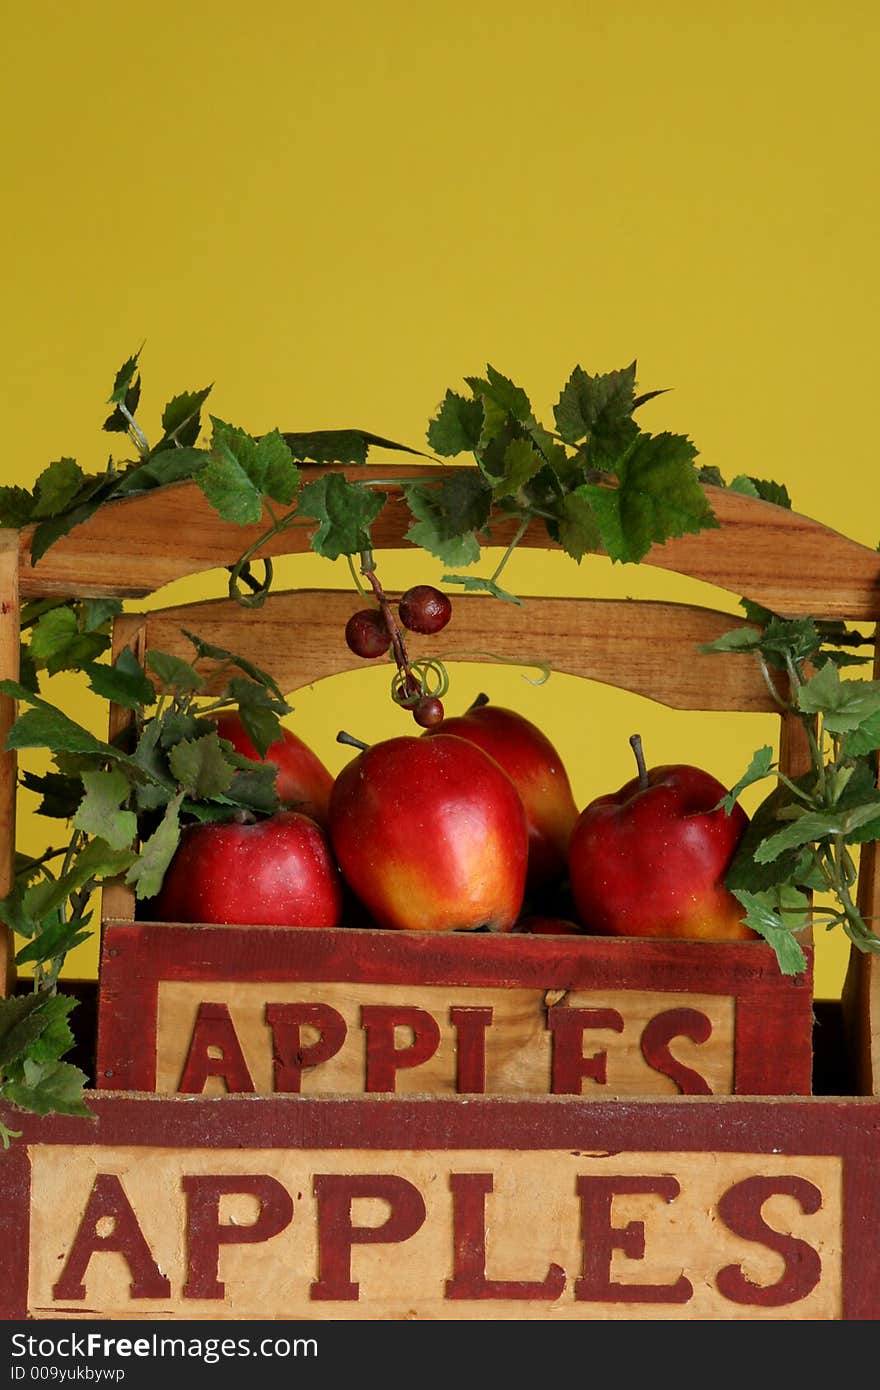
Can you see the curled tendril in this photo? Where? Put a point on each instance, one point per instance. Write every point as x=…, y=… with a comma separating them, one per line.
x=543, y=666
x=427, y=676
x=259, y=588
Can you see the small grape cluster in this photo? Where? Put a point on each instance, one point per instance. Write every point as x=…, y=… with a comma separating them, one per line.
x=372, y=631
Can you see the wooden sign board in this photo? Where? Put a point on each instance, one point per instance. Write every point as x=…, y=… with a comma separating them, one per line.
x=210, y=1010
x=291, y=1208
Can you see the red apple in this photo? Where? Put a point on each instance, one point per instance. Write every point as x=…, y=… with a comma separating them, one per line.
x=650, y=859
x=535, y=768
x=431, y=835
x=303, y=782
x=278, y=871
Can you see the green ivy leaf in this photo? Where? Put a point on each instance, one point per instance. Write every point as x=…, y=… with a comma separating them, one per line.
x=521, y=462
x=844, y=705
x=200, y=767
x=22, y=1019
x=61, y=795
x=660, y=496
x=259, y=713
x=340, y=446
x=577, y=526
x=605, y=505
x=212, y=653
x=775, y=915
x=760, y=767
x=16, y=507
x=100, y=811
x=181, y=418
x=586, y=401
x=449, y=515
x=148, y=870
x=93, y=864
x=124, y=683
x=124, y=378
x=815, y=826
x=345, y=512
x=231, y=479
x=55, y=938
x=170, y=466
x=177, y=676
x=280, y=475
x=865, y=739
x=56, y=488
x=457, y=426
x=46, y=727
x=49, y=1087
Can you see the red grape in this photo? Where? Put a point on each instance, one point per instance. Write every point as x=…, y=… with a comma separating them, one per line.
x=424, y=609
x=366, y=633
x=428, y=711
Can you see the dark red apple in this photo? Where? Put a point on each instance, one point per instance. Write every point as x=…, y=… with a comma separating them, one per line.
x=535, y=768
x=650, y=859
x=303, y=782
x=431, y=835
x=278, y=871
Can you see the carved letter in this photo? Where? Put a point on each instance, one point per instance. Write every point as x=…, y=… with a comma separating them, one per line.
x=469, y=1244
x=601, y=1239
x=205, y=1232
x=108, y=1200
x=470, y=1048
x=675, y=1023
x=740, y=1210
x=214, y=1028
x=289, y=1056
x=337, y=1232
x=570, y=1065
x=384, y=1060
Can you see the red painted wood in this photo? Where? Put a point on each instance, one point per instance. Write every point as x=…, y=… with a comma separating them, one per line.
x=849, y=1129
x=773, y=1043
x=658, y=1034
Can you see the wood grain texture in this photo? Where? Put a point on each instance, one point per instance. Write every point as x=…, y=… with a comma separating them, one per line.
x=124, y=549
x=9, y=664
x=649, y=648
x=452, y=1209
x=772, y=1037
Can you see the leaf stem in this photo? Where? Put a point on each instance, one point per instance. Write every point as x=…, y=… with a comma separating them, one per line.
x=518, y=535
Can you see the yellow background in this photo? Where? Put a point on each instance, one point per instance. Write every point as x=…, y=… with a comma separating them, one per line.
x=335, y=212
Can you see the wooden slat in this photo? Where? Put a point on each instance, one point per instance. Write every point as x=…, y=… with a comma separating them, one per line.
x=124, y=549
x=646, y=647
x=9, y=663
x=861, y=992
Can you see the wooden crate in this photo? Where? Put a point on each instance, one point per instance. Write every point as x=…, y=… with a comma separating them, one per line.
x=541, y=1205
x=289, y=1208
x=330, y=1011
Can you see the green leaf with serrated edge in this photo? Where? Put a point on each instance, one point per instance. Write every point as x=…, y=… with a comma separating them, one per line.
x=744, y=871
x=815, y=826
x=56, y=488
x=471, y=584
x=58, y=644
x=507, y=398
x=199, y=765
x=54, y=629
x=280, y=475
x=865, y=739
x=23, y=1018
x=585, y=399
x=148, y=870
x=230, y=491
x=457, y=426
x=340, y=446
x=605, y=502
x=739, y=639
x=176, y=725
x=259, y=713
x=177, y=676
x=776, y=915
x=345, y=512
x=768, y=491
x=660, y=496
x=147, y=756
x=170, y=466
x=213, y=653
x=61, y=795
x=743, y=484
x=27, y=671
x=124, y=378
x=128, y=688
x=760, y=767
x=183, y=409
x=844, y=705
x=56, y=1038
x=100, y=811
x=55, y=938
x=117, y=421
x=16, y=507
x=756, y=613
x=449, y=515
x=709, y=473
x=46, y=727
x=93, y=864
x=95, y=613
x=47, y=1088
x=521, y=462
x=254, y=788
x=578, y=528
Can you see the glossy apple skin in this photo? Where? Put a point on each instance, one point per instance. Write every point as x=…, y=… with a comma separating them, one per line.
x=303, y=782
x=278, y=871
x=430, y=834
x=652, y=862
x=535, y=768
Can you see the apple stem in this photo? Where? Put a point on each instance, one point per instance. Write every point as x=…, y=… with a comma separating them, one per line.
x=343, y=737
x=478, y=703
x=635, y=742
